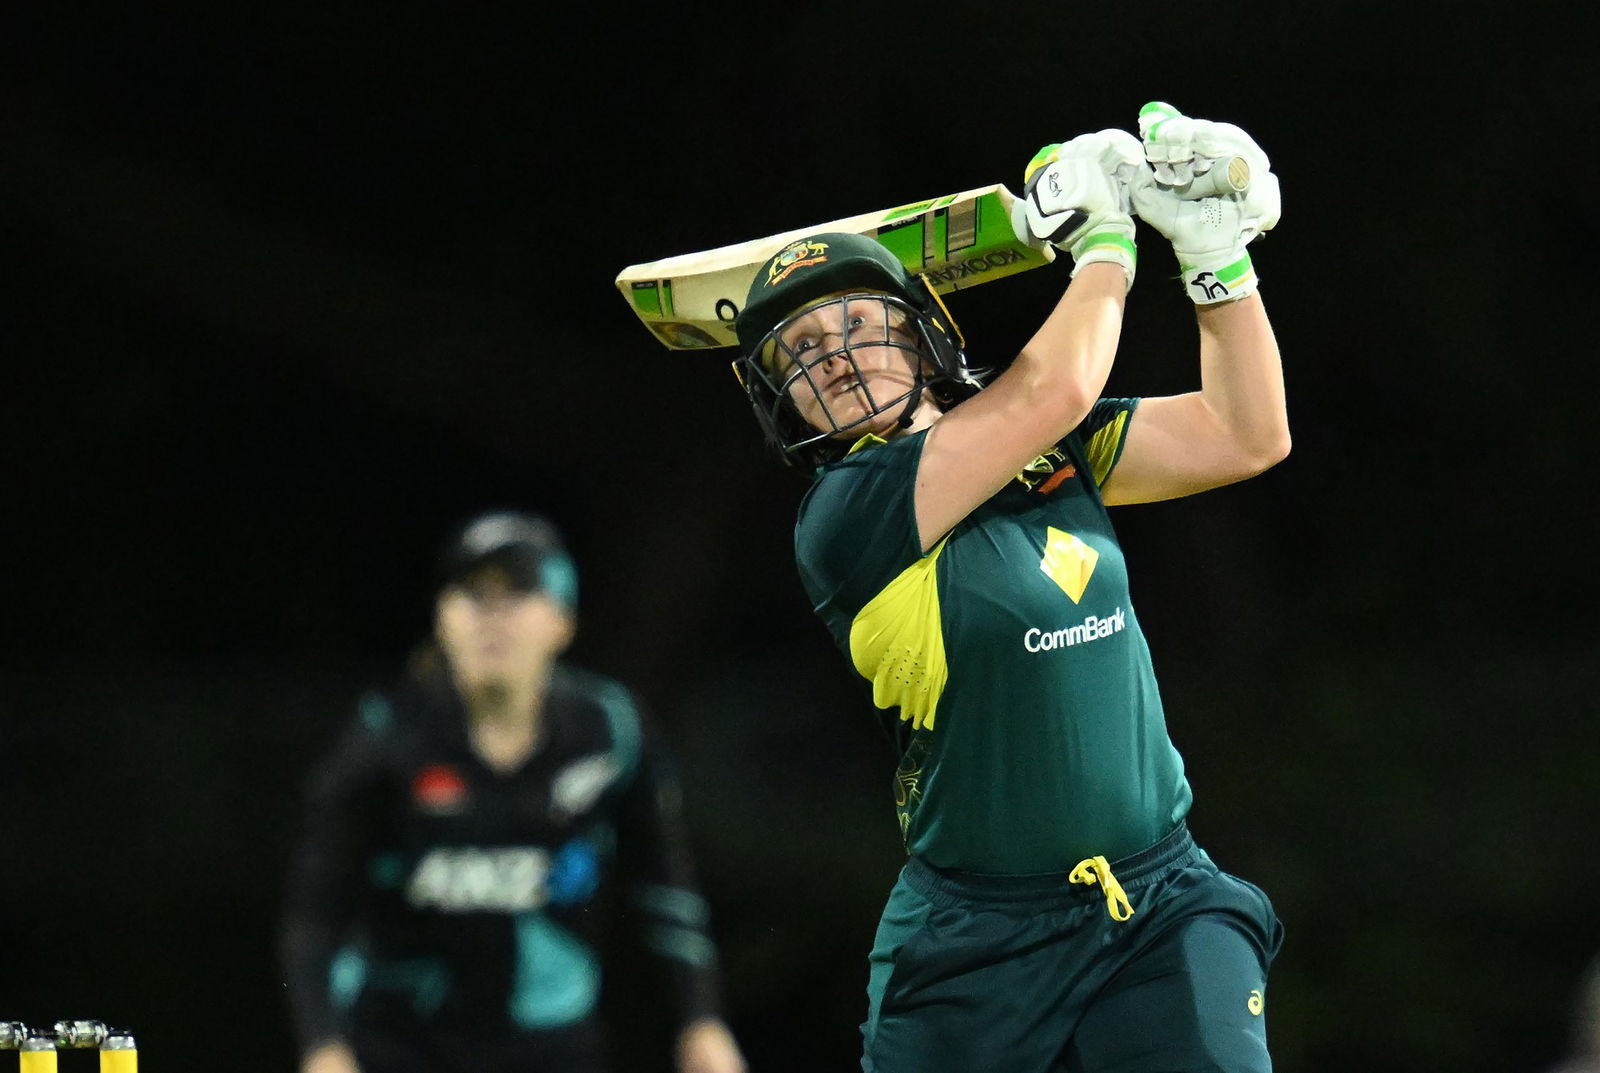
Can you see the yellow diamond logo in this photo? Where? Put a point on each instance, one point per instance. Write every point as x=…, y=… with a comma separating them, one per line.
x=1068, y=561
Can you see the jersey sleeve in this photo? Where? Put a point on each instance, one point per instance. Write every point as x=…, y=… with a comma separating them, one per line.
x=1103, y=434
x=325, y=895
x=857, y=529
x=659, y=880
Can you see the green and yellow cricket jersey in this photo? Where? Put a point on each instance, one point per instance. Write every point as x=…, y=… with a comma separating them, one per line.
x=1011, y=647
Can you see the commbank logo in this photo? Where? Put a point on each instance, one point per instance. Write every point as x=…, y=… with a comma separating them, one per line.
x=1068, y=561
x=1090, y=629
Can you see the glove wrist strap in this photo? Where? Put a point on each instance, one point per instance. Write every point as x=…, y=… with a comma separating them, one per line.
x=1107, y=243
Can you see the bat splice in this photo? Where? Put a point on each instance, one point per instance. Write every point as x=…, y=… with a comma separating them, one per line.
x=957, y=241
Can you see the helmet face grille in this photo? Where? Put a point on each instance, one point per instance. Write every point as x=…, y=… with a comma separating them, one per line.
x=802, y=361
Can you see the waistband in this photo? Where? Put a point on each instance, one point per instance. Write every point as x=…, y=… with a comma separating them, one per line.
x=947, y=887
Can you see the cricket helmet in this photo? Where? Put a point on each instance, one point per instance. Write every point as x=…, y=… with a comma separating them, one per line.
x=841, y=267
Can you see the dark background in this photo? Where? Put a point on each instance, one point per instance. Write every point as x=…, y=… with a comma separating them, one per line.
x=288, y=292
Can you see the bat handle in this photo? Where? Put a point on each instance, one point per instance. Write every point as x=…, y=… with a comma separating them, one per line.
x=1226, y=177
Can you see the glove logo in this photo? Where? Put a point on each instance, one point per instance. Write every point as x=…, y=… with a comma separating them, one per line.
x=1210, y=286
x=1039, y=218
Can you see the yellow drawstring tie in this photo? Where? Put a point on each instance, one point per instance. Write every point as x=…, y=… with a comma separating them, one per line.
x=1092, y=870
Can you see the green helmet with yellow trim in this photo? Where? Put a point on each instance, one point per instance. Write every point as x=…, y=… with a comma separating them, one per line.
x=841, y=267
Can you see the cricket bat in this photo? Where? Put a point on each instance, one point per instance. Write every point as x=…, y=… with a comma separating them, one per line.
x=956, y=241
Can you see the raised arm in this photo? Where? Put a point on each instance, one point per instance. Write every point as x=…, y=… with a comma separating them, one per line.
x=1077, y=198
x=1237, y=424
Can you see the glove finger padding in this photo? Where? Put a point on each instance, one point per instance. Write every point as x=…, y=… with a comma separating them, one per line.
x=1076, y=197
x=1208, y=234
x=1182, y=149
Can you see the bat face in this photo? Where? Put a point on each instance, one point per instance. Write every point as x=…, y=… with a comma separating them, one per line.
x=956, y=241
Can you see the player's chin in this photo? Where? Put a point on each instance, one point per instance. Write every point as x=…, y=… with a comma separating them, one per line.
x=860, y=421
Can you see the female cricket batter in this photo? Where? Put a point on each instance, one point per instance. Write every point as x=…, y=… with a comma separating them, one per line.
x=1054, y=914
x=482, y=830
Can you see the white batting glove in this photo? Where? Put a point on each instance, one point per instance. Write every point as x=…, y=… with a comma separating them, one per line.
x=1189, y=160
x=1076, y=197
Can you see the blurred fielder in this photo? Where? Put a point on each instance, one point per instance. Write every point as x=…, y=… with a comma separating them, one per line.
x=483, y=827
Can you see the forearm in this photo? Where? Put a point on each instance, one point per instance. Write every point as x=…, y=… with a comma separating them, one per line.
x=1069, y=358
x=671, y=916
x=1079, y=188
x=306, y=951
x=1241, y=377
x=323, y=900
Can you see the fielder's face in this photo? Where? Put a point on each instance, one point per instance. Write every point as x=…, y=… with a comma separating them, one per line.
x=845, y=361
x=493, y=633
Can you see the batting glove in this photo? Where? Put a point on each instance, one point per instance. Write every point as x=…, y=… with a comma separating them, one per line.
x=1075, y=196
x=1211, y=192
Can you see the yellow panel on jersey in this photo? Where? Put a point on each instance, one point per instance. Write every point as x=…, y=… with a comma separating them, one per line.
x=1101, y=448
x=897, y=642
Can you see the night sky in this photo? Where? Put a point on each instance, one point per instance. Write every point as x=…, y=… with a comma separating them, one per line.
x=289, y=292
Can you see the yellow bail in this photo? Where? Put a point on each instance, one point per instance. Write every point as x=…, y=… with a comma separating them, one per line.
x=37, y=1061
x=1092, y=870
x=119, y=1061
